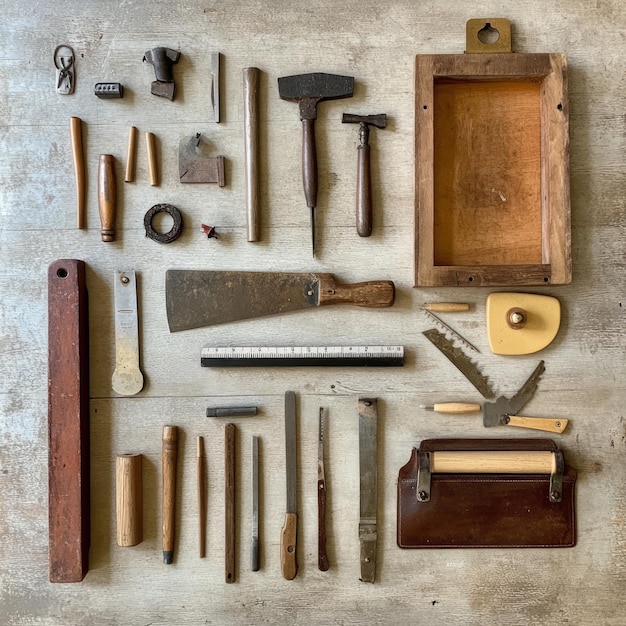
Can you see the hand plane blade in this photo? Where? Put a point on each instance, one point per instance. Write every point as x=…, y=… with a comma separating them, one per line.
x=204, y=298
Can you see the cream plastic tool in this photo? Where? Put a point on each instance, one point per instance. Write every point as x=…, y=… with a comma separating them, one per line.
x=521, y=323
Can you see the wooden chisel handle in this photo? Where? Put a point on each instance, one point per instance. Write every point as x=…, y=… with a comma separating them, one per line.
x=454, y=407
x=309, y=162
x=107, y=196
x=230, y=432
x=76, y=138
x=375, y=293
x=288, y=537
x=169, y=456
x=251, y=138
x=363, y=192
x=546, y=424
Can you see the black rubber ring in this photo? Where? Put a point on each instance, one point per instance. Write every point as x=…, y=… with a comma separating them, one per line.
x=176, y=229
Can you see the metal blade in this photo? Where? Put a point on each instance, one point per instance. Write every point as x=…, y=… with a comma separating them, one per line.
x=215, y=84
x=203, y=298
x=254, y=544
x=495, y=413
x=461, y=361
x=290, y=451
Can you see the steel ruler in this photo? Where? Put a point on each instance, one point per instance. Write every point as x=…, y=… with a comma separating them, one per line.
x=290, y=356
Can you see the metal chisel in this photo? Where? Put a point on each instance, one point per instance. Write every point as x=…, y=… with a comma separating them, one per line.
x=288, y=538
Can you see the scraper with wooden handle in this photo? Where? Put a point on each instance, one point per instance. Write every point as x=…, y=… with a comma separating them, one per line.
x=204, y=298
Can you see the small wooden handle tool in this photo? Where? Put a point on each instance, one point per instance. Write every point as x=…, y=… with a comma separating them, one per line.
x=169, y=456
x=131, y=155
x=251, y=136
x=230, y=434
x=453, y=407
x=76, y=139
x=107, y=196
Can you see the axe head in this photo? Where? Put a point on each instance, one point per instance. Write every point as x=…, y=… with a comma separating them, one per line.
x=309, y=89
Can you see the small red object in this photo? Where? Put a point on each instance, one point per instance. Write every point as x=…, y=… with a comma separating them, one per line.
x=209, y=231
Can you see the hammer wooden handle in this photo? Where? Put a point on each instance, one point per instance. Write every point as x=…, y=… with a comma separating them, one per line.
x=107, y=196
x=169, y=455
x=251, y=136
x=76, y=139
x=309, y=162
x=363, y=192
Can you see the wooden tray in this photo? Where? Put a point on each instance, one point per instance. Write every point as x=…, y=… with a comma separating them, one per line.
x=491, y=165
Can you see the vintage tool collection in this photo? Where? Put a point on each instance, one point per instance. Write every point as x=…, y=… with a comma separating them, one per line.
x=452, y=493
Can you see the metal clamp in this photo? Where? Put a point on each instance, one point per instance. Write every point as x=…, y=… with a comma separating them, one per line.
x=423, y=476
x=556, y=478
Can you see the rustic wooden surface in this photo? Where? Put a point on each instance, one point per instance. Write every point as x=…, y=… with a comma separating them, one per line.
x=376, y=43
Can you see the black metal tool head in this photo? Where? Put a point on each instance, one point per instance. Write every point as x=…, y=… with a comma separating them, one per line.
x=380, y=120
x=162, y=59
x=309, y=89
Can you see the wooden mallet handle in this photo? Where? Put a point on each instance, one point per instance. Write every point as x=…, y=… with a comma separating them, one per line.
x=107, y=196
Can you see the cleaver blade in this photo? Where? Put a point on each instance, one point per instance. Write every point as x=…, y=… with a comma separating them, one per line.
x=195, y=298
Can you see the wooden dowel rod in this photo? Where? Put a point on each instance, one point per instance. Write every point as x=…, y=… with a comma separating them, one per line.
x=251, y=145
x=152, y=162
x=107, y=196
x=491, y=462
x=201, y=499
x=76, y=138
x=131, y=155
x=229, y=500
x=447, y=307
x=128, y=499
x=169, y=455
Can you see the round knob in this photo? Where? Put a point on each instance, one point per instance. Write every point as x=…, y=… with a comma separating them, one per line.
x=516, y=318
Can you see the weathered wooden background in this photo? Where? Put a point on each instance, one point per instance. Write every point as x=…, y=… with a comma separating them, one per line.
x=376, y=43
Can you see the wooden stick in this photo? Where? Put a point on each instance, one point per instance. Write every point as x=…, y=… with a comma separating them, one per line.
x=169, y=455
x=201, y=499
x=491, y=462
x=107, y=196
x=76, y=138
x=68, y=422
x=229, y=500
x=152, y=162
x=447, y=307
x=128, y=499
x=251, y=143
x=131, y=155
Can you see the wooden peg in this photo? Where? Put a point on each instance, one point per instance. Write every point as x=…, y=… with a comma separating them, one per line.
x=128, y=499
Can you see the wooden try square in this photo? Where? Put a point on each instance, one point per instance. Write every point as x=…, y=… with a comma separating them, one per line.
x=492, y=203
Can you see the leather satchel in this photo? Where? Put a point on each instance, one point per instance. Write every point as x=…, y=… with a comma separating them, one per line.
x=485, y=510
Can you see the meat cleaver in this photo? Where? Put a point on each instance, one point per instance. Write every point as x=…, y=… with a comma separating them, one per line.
x=204, y=298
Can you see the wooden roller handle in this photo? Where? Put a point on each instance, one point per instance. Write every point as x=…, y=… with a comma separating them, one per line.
x=251, y=142
x=375, y=293
x=447, y=307
x=546, y=424
x=131, y=155
x=288, y=538
x=128, y=499
x=491, y=462
x=76, y=138
x=107, y=196
x=309, y=162
x=169, y=456
x=229, y=500
x=363, y=192
x=152, y=161
x=456, y=407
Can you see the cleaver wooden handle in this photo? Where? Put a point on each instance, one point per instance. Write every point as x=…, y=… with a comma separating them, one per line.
x=547, y=424
x=375, y=293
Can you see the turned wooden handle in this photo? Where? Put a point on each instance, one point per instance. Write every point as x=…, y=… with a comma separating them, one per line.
x=229, y=502
x=251, y=143
x=169, y=456
x=447, y=307
x=456, y=407
x=131, y=155
x=375, y=293
x=76, y=138
x=363, y=192
x=309, y=162
x=152, y=161
x=322, y=556
x=128, y=499
x=546, y=424
x=492, y=462
x=288, y=563
x=107, y=196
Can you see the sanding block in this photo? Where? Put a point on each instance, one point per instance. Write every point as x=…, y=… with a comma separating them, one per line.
x=521, y=323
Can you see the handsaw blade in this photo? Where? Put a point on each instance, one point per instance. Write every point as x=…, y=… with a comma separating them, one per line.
x=203, y=298
x=494, y=412
x=461, y=361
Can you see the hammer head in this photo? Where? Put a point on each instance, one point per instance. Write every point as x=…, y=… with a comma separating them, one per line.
x=380, y=120
x=309, y=89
